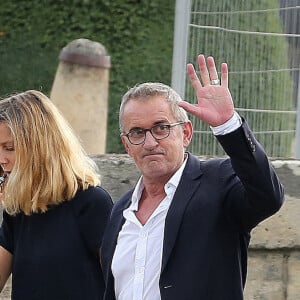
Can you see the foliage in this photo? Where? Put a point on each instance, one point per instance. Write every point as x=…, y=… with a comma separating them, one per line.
x=138, y=35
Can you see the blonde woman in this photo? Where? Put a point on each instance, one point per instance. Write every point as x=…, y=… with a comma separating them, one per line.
x=54, y=211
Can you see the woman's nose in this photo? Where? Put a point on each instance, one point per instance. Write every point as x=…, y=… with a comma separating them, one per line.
x=3, y=158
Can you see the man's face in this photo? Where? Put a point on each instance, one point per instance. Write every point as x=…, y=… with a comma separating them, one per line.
x=156, y=159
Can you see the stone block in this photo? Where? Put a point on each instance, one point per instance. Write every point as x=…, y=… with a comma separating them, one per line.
x=266, y=276
x=293, y=284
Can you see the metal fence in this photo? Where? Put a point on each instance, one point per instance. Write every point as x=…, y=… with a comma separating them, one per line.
x=260, y=41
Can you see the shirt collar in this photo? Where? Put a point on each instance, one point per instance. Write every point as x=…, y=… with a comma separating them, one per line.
x=173, y=181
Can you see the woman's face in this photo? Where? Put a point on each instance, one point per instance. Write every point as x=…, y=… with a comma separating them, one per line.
x=7, y=149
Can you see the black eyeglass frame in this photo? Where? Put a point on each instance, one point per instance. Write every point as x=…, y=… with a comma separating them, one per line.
x=169, y=126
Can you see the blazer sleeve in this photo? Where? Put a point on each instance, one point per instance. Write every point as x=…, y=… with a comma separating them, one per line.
x=263, y=194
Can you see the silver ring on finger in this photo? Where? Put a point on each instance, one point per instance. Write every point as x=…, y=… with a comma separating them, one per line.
x=215, y=82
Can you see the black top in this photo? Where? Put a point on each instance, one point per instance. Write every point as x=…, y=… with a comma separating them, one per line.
x=56, y=254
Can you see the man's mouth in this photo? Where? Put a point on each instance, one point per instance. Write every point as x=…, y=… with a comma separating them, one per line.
x=153, y=154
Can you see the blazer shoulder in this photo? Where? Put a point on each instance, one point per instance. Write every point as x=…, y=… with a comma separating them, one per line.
x=123, y=201
x=197, y=167
x=211, y=164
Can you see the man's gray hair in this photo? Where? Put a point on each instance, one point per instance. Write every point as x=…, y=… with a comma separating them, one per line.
x=148, y=90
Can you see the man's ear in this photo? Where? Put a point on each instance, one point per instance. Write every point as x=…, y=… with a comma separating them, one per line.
x=187, y=133
x=125, y=142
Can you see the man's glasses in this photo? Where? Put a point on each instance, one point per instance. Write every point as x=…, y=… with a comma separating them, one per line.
x=137, y=136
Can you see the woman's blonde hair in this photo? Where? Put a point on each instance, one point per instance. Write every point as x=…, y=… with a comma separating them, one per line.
x=50, y=164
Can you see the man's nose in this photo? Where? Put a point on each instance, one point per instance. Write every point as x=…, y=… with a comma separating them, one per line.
x=150, y=141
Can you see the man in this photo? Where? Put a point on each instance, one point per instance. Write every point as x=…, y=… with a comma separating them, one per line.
x=183, y=232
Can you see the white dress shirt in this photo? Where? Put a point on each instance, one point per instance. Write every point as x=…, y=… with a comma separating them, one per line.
x=137, y=258
x=232, y=124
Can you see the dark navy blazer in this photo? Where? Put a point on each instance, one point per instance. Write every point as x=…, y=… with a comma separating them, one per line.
x=208, y=225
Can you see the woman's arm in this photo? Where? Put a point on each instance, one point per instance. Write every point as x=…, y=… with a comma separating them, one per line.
x=5, y=266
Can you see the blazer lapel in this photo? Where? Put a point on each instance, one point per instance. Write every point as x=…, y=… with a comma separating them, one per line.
x=188, y=185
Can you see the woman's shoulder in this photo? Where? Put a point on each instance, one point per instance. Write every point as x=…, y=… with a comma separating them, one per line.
x=92, y=198
x=93, y=192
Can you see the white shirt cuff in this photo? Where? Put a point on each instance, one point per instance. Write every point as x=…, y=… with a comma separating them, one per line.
x=231, y=125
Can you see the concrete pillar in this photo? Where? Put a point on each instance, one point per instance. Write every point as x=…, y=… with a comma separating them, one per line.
x=80, y=91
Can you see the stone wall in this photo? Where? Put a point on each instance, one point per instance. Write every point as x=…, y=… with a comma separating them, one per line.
x=274, y=253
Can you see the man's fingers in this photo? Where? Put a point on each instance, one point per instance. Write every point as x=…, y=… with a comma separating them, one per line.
x=205, y=78
x=191, y=108
x=224, y=75
x=212, y=69
x=193, y=77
